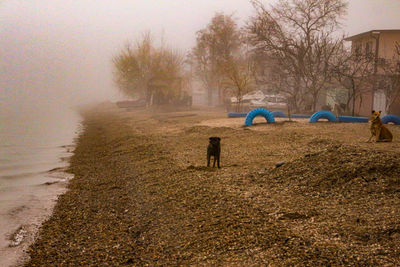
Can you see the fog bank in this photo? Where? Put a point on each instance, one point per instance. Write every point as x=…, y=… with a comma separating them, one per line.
x=58, y=53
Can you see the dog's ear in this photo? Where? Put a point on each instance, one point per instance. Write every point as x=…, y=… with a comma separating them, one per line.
x=380, y=112
x=210, y=138
x=373, y=111
x=219, y=139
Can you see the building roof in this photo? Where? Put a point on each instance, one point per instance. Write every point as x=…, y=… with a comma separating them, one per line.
x=357, y=36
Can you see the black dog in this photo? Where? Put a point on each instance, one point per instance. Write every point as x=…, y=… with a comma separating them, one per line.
x=214, y=149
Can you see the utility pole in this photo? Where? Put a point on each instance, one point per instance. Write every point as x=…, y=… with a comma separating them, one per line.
x=375, y=35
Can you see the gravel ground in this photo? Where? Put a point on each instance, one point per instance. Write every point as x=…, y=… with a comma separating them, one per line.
x=143, y=196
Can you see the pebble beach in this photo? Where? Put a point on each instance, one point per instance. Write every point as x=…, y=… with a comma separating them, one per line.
x=141, y=194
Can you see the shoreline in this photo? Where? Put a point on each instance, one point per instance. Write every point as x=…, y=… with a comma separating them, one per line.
x=27, y=199
x=142, y=196
x=27, y=215
x=34, y=143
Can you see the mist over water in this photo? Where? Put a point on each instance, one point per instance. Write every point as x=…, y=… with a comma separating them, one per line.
x=36, y=116
x=32, y=143
x=47, y=69
x=36, y=134
x=48, y=66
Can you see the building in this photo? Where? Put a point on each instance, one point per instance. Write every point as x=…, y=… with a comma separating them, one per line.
x=381, y=44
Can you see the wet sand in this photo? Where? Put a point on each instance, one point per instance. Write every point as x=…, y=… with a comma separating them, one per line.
x=142, y=195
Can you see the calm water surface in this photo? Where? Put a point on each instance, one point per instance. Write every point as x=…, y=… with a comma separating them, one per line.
x=33, y=145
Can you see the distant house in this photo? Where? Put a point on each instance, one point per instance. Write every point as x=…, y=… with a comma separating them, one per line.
x=381, y=44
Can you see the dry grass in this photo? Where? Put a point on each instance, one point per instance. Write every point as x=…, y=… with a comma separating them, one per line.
x=142, y=196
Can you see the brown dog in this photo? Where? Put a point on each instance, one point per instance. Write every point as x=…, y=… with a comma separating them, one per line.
x=381, y=133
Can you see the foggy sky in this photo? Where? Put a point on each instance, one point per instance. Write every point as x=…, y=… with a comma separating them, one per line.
x=58, y=51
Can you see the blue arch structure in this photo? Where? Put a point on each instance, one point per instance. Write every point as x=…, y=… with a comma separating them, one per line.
x=259, y=112
x=236, y=114
x=352, y=119
x=278, y=114
x=391, y=118
x=300, y=116
x=323, y=114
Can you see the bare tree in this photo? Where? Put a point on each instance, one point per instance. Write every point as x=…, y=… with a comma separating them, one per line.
x=239, y=76
x=298, y=35
x=279, y=75
x=132, y=68
x=354, y=73
x=148, y=72
x=215, y=46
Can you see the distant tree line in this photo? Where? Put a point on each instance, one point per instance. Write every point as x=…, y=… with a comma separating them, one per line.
x=293, y=47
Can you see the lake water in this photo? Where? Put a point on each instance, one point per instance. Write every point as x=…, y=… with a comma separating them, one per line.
x=34, y=149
